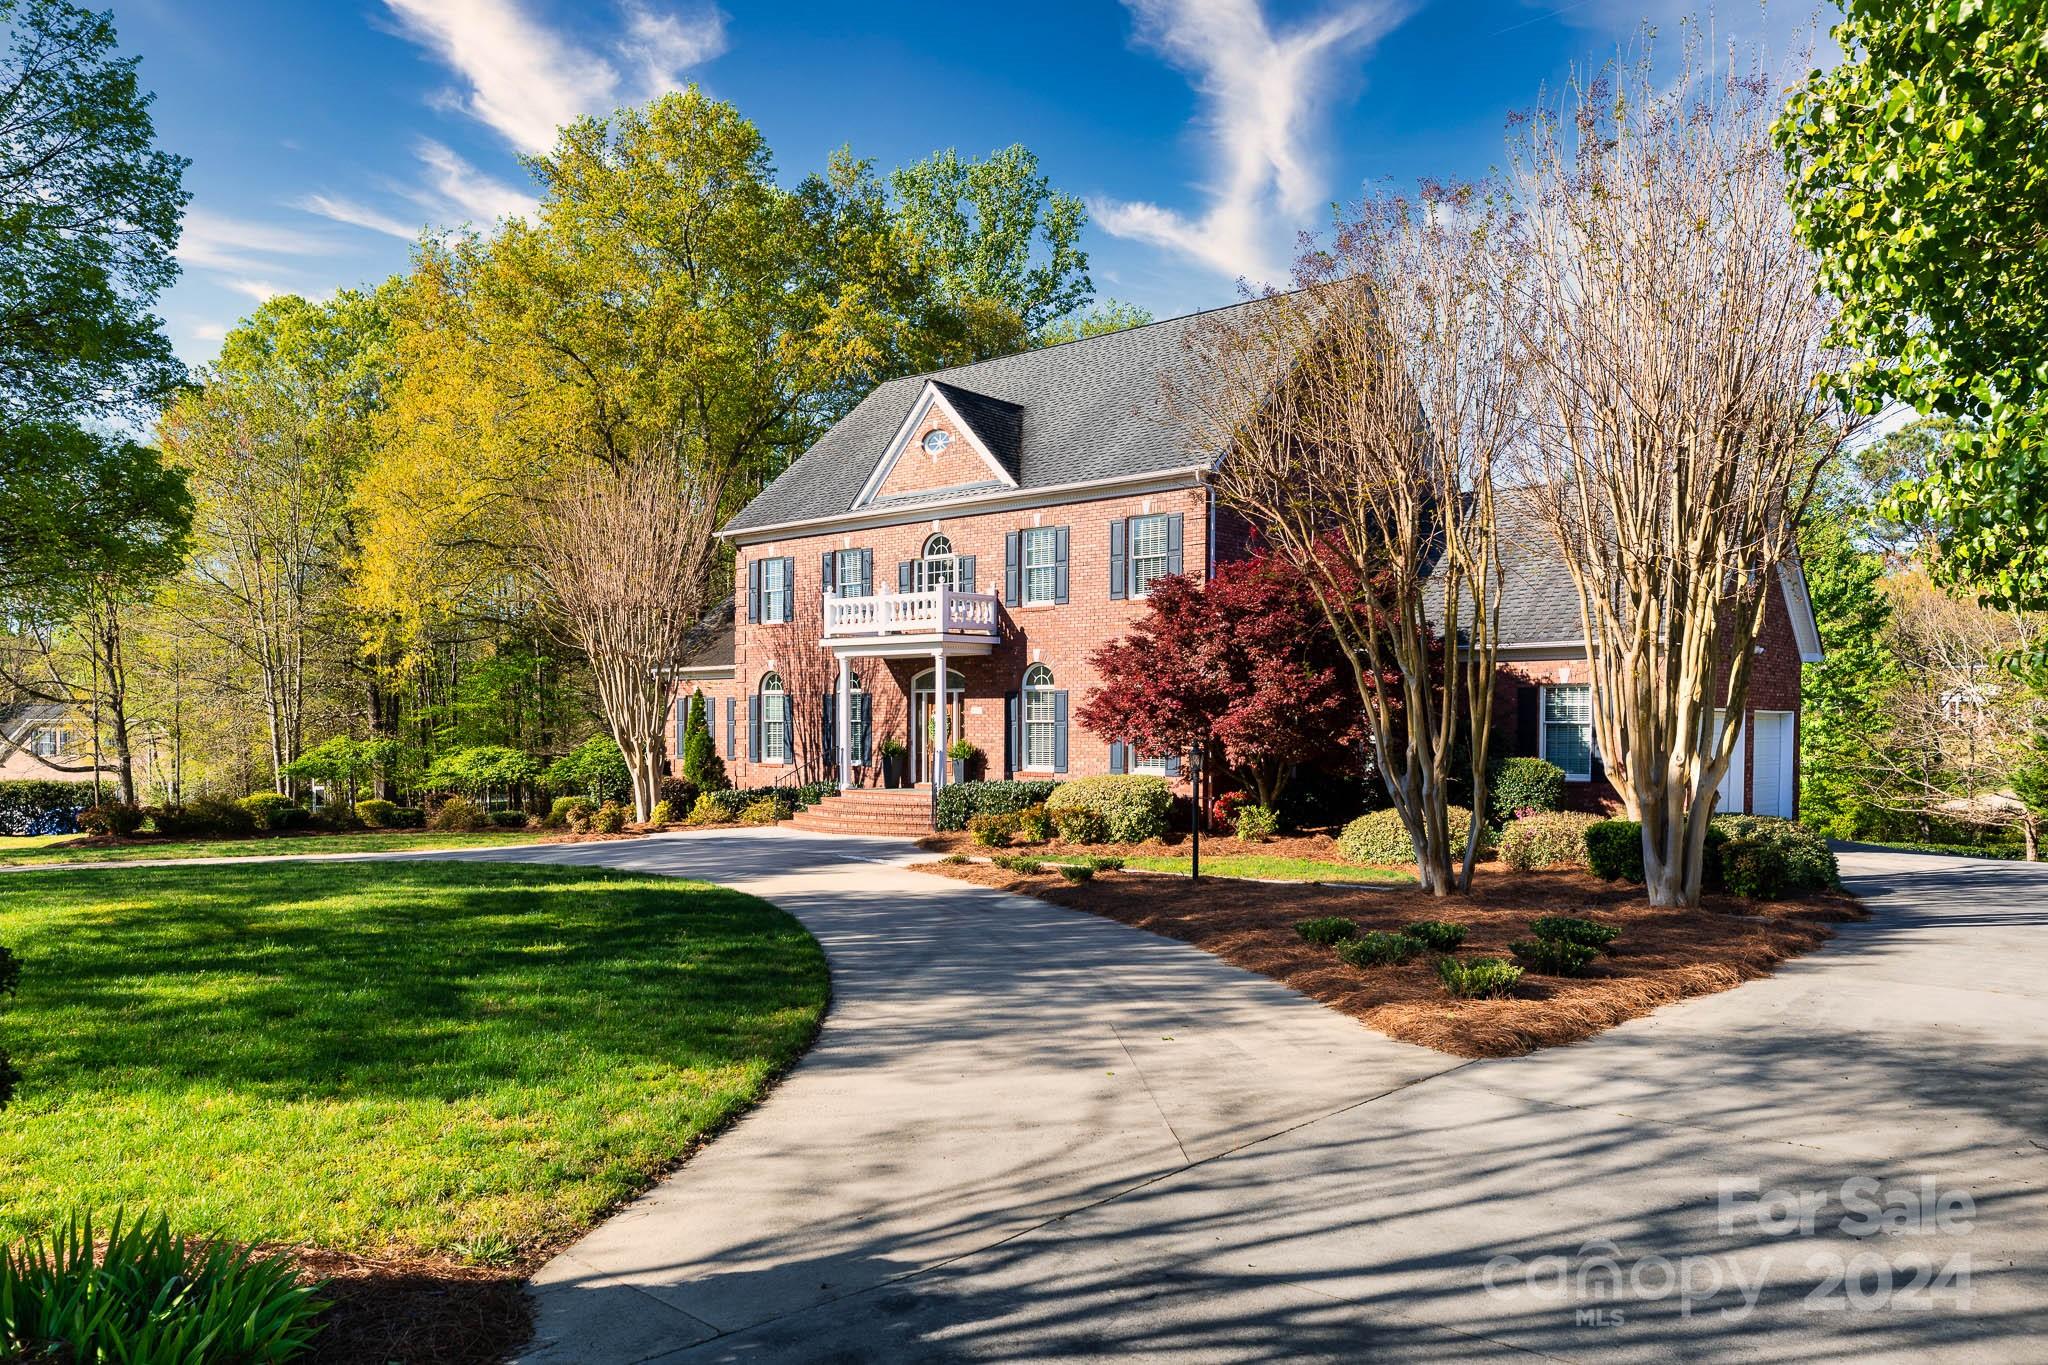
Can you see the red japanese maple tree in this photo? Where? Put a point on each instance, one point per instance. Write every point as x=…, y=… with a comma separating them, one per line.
x=1244, y=665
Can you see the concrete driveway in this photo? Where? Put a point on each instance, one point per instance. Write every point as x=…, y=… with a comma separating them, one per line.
x=1030, y=1133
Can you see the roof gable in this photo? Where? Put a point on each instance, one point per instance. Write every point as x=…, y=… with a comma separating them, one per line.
x=973, y=431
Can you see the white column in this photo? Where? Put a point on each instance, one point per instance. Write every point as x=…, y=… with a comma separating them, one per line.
x=941, y=702
x=843, y=721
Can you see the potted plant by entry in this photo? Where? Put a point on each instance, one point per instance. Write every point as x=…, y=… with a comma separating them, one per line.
x=961, y=753
x=893, y=756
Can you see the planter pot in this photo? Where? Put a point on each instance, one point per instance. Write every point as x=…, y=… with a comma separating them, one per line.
x=892, y=770
x=959, y=766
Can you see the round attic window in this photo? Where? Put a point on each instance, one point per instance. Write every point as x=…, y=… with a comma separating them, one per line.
x=936, y=441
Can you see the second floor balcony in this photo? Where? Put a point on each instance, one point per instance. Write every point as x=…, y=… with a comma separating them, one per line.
x=936, y=616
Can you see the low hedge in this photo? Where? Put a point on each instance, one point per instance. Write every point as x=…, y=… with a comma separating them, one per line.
x=1547, y=839
x=274, y=812
x=37, y=806
x=1380, y=837
x=1759, y=857
x=377, y=813
x=1132, y=807
x=206, y=817
x=963, y=801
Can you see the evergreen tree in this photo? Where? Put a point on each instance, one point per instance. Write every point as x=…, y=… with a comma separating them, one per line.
x=1843, y=700
x=701, y=763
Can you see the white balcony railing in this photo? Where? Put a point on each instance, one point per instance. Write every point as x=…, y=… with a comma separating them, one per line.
x=941, y=611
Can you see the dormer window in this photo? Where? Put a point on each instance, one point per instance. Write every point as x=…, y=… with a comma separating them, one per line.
x=935, y=442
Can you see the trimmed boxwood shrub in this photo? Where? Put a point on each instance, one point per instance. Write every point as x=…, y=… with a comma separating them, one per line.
x=1327, y=929
x=963, y=801
x=458, y=814
x=1104, y=862
x=609, y=819
x=111, y=817
x=1076, y=872
x=1380, y=837
x=1080, y=826
x=993, y=829
x=1018, y=863
x=1256, y=824
x=1471, y=978
x=1379, y=948
x=1768, y=859
x=1547, y=839
x=1614, y=850
x=563, y=813
x=1518, y=785
x=1133, y=807
x=1034, y=823
x=1552, y=956
x=377, y=813
x=509, y=819
x=207, y=817
x=274, y=812
x=1587, y=933
x=1441, y=935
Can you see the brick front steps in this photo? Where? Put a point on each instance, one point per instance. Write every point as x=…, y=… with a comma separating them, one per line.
x=906, y=813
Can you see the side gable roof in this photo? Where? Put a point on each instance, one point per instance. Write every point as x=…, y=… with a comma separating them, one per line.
x=1071, y=413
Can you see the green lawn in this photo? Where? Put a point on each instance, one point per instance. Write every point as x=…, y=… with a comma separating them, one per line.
x=463, y=1058
x=45, y=851
x=1275, y=869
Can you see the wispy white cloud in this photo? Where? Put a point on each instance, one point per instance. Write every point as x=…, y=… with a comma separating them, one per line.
x=260, y=290
x=454, y=190
x=525, y=79
x=356, y=214
x=217, y=243
x=1262, y=89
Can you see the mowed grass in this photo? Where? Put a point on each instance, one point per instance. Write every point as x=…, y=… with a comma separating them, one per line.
x=1275, y=869
x=465, y=1059
x=48, y=850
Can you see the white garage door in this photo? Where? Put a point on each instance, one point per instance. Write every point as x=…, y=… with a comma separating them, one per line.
x=1776, y=752
x=1729, y=801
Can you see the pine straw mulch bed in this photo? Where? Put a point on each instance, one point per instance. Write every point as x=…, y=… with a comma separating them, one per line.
x=419, y=1311
x=1311, y=844
x=1661, y=956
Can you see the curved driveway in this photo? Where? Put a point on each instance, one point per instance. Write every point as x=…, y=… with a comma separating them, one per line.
x=1026, y=1132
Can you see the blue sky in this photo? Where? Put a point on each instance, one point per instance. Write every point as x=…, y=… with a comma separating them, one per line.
x=325, y=134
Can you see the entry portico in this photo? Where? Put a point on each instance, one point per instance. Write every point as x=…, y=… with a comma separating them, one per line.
x=939, y=623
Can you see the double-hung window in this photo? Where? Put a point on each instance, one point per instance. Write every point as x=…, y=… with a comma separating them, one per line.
x=774, y=719
x=1568, y=730
x=47, y=743
x=1151, y=550
x=775, y=590
x=850, y=573
x=1041, y=566
x=1155, y=764
x=1041, y=719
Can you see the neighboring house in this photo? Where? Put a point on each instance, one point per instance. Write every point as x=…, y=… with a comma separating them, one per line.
x=43, y=741
x=943, y=561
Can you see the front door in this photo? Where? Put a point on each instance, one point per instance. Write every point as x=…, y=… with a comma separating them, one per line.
x=922, y=751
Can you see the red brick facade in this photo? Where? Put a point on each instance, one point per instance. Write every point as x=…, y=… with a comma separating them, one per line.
x=962, y=464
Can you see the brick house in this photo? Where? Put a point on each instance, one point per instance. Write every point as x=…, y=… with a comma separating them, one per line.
x=991, y=525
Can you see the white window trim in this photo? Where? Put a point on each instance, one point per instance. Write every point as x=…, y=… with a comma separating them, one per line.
x=769, y=616
x=772, y=757
x=1051, y=537
x=928, y=399
x=1158, y=769
x=1543, y=724
x=840, y=559
x=1053, y=724
x=1165, y=555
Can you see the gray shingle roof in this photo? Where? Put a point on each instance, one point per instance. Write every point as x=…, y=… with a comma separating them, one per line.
x=1539, y=604
x=1090, y=409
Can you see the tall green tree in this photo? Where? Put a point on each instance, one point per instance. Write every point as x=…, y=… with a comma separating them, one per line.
x=1920, y=176
x=1842, y=696
x=89, y=213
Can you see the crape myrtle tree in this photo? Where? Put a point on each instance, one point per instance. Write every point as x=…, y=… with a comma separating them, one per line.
x=1677, y=342
x=1242, y=666
x=625, y=554
x=1363, y=416
x=1919, y=174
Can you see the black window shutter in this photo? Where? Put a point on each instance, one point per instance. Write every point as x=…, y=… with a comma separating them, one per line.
x=1173, y=765
x=1118, y=579
x=1013, y=741
x=789, y=587
x=966, y=574
x=867, y=573
x=788, y=728
x=831, y=748
x=1117, y=762
x=1059, y=564
x=1528, y=704
x=825, y=575
x=1059, y=731
x=1013, y=551
x=864, y=707
x=711, y=723
x=754, y=728
x=732, y=724
x=682, y=723
x=1173, y=535
x=903, y=575
x=753, y=591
